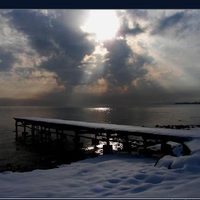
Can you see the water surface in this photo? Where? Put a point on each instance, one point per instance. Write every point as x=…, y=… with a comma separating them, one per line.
x=148, y=116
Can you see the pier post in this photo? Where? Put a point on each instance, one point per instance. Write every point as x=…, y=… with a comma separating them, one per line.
x=95, y=141
x=77, y=143
x=62, y=135
x=45, y=134
x=33, y=132
x=37, y=133
x=127, y=145
x=57, y=134
x=41, y=133
x=107, y=149
x=49, y=134
x=24, y=133
x=16, y=129
x=145, y=143
x=24, y=127
x=108, y=138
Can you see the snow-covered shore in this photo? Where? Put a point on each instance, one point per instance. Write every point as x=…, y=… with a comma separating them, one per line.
x=118, y=175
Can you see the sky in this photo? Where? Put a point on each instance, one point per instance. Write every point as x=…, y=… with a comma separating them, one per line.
x=99, y=57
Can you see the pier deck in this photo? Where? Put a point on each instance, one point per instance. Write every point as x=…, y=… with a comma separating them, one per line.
x=45, y=127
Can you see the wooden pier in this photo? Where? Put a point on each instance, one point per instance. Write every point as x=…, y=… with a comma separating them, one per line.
x=44, y=130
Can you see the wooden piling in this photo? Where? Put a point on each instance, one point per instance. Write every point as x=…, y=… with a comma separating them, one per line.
x=16, y=129
x=107, y=149
x=33, y=133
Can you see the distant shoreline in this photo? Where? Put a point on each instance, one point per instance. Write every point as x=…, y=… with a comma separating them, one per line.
x=187, y=103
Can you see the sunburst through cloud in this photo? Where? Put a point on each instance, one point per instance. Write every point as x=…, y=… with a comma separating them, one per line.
x=104, y=24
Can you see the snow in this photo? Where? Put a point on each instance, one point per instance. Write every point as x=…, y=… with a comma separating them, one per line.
x=118, y=175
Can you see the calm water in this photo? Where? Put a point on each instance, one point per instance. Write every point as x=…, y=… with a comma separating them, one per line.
x=149, y=116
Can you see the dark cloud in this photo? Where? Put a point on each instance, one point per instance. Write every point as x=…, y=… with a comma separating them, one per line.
x=132, y=15
x=116, y=68
x=6, y=59
x=143, y=59
x=176, y=20
x=36, y=28
x=125, y=30
x=66, y=69
x=123, y=65
x=126, y=18
x=56, y=35
x=58, y=32
x=67, y=34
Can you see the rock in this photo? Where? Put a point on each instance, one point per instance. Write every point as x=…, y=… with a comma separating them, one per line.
x=166, y=148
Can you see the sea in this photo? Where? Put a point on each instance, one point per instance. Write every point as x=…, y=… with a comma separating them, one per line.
x=18, y=157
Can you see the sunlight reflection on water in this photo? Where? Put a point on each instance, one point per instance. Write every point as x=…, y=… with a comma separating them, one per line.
x=100, y=114
x=101, y=109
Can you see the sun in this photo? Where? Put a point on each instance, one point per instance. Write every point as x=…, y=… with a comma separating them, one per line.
x=104, y=24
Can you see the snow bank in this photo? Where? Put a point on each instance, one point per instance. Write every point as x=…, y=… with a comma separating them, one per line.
x=189, y=163
x=118, y=175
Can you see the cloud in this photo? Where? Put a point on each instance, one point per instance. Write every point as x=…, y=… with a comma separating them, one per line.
x=57, y=36
x=44, y=54
x=128, y=23
x=116, y=67
x=123, y=66
x=173, y=24
x=56, y=32
x=35, y=26
x=137, y=14
x=125, y=30
x=7, y=59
